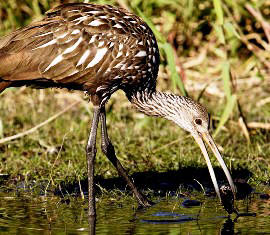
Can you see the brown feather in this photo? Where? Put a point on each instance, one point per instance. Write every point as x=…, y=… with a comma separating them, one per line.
x=99, y=48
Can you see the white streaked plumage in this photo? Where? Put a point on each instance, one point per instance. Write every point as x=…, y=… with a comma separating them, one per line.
x=98, y=57
x=117, y=77
x=117, y=26
x=43, y=34
x=120, y=53
x=57, y=60
x=62, y=35
x=100, y=88
x=117, y=66
x=141, y=54
x=111, y=44
x=80, y=19
x=83, y=58
x=93, y=39
x=47, y=44
x=121, y=46
x=100, y=44
x=73, y=47
x=123, y=67
x=92, y=12
x=74, y=10
x=74, y=72
x=95, y=23
x=76, y=31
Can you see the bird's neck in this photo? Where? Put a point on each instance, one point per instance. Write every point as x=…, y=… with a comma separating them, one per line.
x=156, y=103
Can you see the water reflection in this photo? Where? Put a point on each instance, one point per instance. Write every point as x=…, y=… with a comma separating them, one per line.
x=172, y=218
x=227, y=228
x=92, y=225
x=25, y=214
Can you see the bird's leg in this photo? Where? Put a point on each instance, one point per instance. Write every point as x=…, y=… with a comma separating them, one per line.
x=90, y=155
x=108, y=150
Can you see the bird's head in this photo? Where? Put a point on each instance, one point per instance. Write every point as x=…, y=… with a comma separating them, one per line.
x=194, y=118
x=189, y=115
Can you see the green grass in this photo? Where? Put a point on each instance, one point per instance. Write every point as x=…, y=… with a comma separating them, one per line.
x=204, y=51
x=56, y=151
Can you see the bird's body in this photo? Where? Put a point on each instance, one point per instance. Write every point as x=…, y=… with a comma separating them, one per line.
x=94, y=48
x=100, y=49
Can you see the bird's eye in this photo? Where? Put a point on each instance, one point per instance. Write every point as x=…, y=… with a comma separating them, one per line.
x=198, y=121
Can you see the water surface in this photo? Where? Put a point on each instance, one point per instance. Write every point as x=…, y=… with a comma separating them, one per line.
x=28, y=214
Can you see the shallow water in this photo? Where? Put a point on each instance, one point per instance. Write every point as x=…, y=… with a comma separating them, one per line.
x=24, y=214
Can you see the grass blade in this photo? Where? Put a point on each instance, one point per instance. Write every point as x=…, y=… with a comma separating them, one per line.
x=226, y=79
x=226, y=113
x=1, y=129
x=220, y=34
x=158, y=35
x=177, y=82
x=169, y=53
x=230, y=29
x=218, y=11
x=231, y=99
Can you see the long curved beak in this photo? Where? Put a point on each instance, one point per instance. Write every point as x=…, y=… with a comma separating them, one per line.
x=209, y=140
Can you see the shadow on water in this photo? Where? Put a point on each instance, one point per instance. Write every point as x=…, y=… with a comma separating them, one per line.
x=187, y=213
x=190, y=178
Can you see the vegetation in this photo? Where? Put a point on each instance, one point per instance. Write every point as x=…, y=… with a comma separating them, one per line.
x=216, y=51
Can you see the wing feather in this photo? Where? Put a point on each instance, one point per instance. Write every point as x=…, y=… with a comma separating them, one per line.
x=90, y=45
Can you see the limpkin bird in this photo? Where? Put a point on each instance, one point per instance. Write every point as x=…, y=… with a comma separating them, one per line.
x=100, y=49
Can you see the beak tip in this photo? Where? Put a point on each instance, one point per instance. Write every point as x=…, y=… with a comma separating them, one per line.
x=228, y=198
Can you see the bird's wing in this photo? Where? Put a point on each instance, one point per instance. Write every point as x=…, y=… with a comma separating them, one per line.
x=74, y=41
x=15, y=56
